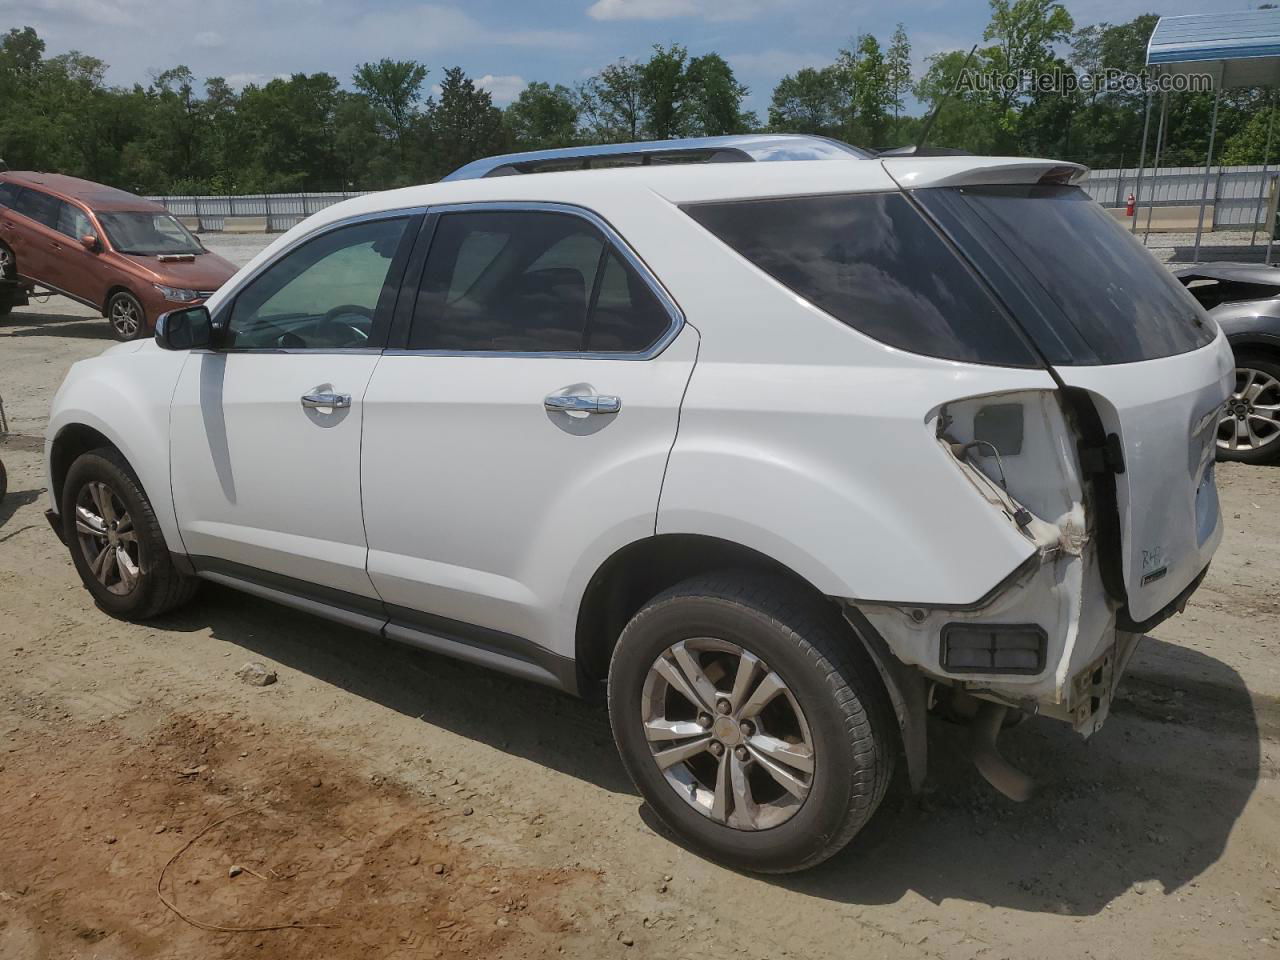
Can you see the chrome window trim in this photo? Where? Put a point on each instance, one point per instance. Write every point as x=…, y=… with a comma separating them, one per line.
x=651, y=280
x=228, y=302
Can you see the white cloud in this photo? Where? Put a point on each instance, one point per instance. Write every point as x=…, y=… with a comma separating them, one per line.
x=503, y=89
x=102, y=12
x=238, y=81
x=674, y=9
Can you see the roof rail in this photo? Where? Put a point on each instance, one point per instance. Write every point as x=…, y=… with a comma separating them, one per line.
x=744, y=147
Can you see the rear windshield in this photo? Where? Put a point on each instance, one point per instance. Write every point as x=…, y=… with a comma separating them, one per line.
x=148, y=234
x=1119, y=304
x=874, y=262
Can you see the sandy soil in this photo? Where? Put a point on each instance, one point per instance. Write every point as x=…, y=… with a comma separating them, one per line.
x=368, y=764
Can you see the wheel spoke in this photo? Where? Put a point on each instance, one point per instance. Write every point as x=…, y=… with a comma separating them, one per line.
x=745, y=812
x=785, y=778
x=748, y=664
x=129, y=536
x=720, y=804
x=1247, y=377
x=125, y=566
x=674, y=755
x=124, y=524
x=795, y=755
x=671, y=673
x=89, y=523
x=696, y=676
x=769, y=688
x=663, y=730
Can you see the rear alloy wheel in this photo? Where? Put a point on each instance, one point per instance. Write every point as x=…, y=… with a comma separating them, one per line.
x=127, y=318
x=752, y=720
x=1249, y=430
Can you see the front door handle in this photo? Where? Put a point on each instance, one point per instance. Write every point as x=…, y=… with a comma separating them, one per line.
x=333, y=400
x=583, y=404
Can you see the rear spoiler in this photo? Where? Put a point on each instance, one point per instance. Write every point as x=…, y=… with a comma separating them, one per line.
x=914, y=172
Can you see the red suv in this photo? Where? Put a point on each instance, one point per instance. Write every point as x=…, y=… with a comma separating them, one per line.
x=110, y=250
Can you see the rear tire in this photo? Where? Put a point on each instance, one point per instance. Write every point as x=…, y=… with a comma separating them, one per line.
x=826, y=728
x=127, y=318
x=115, y=540
x=1257, y=388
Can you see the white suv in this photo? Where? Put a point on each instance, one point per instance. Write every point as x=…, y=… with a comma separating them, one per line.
x=781, y=455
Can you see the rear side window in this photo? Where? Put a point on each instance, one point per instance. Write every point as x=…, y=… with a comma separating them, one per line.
x=873, y=262
x=40, y=207
x=1118, y=303
x=523, y=281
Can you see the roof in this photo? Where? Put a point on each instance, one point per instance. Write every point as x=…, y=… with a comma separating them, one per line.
x=744, y=147
x=95, y=196
x=1240, y=49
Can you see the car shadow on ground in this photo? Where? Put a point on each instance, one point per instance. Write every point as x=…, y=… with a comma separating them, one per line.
x=1147, y=804
x=1150, y=800
x=519, y=717
x=21, y=324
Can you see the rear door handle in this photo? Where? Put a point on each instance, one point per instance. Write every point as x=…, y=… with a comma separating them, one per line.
x=334, y=400
x=583, y=404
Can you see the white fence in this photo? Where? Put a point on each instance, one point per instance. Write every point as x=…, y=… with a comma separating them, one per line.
x=1237, y=195
x=282, y=210
x=1233, y=200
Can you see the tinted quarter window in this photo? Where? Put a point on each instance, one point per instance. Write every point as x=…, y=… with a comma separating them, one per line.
x=525, y=281
x=1116, y=298
x=873, y=262
x=322, y=295
x=7, y=194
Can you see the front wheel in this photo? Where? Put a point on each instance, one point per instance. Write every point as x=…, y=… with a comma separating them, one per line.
x=751, y=720
x=1249, y=430
x=127, y=318
x=115, y=540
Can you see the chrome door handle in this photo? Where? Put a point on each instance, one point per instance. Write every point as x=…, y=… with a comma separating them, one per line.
x=335, y=400
x=583, y=404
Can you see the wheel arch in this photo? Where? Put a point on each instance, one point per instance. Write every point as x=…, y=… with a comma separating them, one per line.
x=72, y=441
x=641, y=570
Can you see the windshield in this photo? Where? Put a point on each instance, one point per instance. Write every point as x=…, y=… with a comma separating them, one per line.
x=148, y=234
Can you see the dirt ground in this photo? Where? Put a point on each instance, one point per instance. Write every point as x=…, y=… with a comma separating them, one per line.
x=386, y=803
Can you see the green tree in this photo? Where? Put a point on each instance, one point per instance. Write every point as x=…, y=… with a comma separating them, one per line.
x=809, y=101
x=664, y=92
x=394, y=88
x=613, y=102
x=715, y=98
x=898, y=74
x=542, y=117
x=463, y=125
x=865, y=75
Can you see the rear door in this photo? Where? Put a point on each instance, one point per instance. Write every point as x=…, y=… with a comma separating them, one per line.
x=31, y=232
x=1115, y=324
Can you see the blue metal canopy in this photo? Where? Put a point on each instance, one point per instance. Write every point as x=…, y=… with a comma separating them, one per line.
x=1239, y=49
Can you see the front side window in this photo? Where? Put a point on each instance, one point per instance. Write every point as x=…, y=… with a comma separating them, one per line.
x=73, y=221
x=523, y=281
x=323, y=295
x=148, y=234
x=873, y=262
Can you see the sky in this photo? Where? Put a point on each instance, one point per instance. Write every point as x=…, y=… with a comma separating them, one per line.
x=504, y=44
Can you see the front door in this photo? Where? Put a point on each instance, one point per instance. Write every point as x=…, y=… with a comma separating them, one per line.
x=265, y=446
x=522, y=431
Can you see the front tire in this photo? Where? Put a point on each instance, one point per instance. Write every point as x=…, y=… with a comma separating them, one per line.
x=1249, y=431
x=115, y=540
x=751, y=720
x=127, y=318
